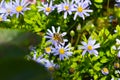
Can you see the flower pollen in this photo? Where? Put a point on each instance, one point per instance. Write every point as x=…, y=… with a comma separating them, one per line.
x=116, y=65
x=66, y=7
x=89, y=47
x=48, y=49
x=80, y=9
x=1, y=19
x=61, y=51
x=48, y=9
x=19, y=8
x=105, y=70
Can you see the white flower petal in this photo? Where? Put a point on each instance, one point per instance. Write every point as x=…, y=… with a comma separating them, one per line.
x=53, y=29
x=118, y=55
x=75, y=16
x=83, y=43
x=83, y=53
x=64, y=33
x=49, y=31
x=58, y=30
x=65, y=15
x=114, y=47
x=96, y=46
x=95, y=52
x=91, y=42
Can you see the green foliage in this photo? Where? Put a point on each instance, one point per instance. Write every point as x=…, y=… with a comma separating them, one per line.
x=18, y=34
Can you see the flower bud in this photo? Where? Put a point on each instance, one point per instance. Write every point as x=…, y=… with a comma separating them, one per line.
x=116, y=65
x=78, y=27
x=72, y=33
x=48, y=50
x=105, y=71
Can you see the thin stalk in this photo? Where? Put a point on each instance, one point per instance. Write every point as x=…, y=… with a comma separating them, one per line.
x=108, y=6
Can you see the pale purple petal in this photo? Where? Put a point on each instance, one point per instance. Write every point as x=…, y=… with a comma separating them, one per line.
x=53, y=29
x=95, y=52
x=83, y=53
x=91, y=42
x=83, y=43
x=96, y=46
x=64, y=33
x=75, y=16
x=65, y=15
x=58, y=30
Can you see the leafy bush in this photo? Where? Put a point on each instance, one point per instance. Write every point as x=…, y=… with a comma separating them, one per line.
x=72, y=39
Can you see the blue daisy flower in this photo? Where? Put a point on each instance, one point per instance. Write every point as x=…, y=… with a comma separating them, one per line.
x=3, y=17
x=90, y=47
x=55, y=37
x=82, y=9
x=67, y=7
x=62, y=51
x=2, y=7
x=46, y=8
x=8, y=8
x=19, y=7
x=105, y=71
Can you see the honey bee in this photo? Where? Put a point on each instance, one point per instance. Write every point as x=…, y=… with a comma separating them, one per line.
x=58, y=37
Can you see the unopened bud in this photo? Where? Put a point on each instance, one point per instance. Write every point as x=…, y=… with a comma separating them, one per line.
x=105, y=71
x=116, y=65
x=78, y=27
x=72, y=33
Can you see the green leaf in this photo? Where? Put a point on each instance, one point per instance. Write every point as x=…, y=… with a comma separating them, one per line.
x=21, y=69
x=98, y=1
x=106, y=32
x=103, y=78
x=95, y=77
x=104, y=59
x=97, y=66
x=94, y=58
x=74, y=65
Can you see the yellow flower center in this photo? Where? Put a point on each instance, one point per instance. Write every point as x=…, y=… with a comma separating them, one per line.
x=116, y=65
x=61, y=51
x=105, y=70
x=19, y=8
x=1, y=19
x=51, y=68
x=48, y=49
x=80, y=9
x=48, y=9
x=89, y=47
x=66, y=7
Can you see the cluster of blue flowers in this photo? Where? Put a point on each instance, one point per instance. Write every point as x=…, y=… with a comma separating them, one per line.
x=79, y=7
x=58, y=48
x=40, y=59
x=58, y=44
x=13, y=7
